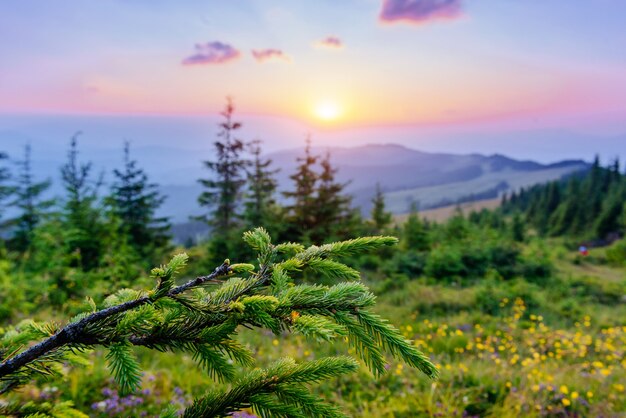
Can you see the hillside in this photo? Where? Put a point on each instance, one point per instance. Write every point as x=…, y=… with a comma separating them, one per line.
x=430, y=179
x=442, y=214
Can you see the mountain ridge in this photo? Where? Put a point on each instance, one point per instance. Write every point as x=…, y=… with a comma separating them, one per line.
x=408, y=175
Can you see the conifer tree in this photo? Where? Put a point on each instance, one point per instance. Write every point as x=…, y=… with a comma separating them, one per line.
x=301, y=209
x=80, y=215
x=380, y=217
x=29, y=202
x=201, y=318
x=586, y=205
x=5, y=188
x=332, y=205
x=319, y=208
x=518, y=228
x=223, y=190
x=608, y=220
x=134, y=200
x=569, y=217
x=260, y=204
x=415, y=234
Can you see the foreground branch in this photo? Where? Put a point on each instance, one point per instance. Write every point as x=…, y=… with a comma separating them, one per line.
x=204, y=323
x=73, y=333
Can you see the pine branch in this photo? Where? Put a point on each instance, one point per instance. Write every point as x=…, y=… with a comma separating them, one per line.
x=393, y=341
x=263, y=382
x=124, y=367
x=74, y=331
x=203, y=321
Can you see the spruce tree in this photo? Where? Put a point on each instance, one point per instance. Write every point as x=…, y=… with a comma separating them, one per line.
x=260, y=203
x=134, y=200
x=332, y=205
x=30, y=203
x=415, y=234
x=301, y=208
x=5, y=188
x=80, y=214
x=608, y=220
x=201, y=318
x=381, y=219
x=518, y=228
x=584, y=206
x=223, y=190
x=570, y=216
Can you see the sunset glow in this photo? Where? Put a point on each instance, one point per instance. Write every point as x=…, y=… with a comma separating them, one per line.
x=396, y=65
x=328, y=111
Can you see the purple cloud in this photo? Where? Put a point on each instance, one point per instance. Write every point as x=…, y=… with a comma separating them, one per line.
x=330, y=42
x=263, y=55
x=212, y=53
x=419, y=11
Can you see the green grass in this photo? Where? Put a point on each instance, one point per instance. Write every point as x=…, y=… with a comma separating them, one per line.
x=505, y=348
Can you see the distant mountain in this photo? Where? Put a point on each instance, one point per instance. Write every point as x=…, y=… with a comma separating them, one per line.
x=405, y=175
x=429, y=179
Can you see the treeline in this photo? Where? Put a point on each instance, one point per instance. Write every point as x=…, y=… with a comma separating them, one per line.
x=590, y=206
x=241, y=193
x=97, y=236
x=84, y=215
x=88, y=232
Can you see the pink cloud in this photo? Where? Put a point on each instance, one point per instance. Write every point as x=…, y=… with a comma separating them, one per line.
x=270, y=54
x=330, y=42
x=212, y=53
x=420, y=11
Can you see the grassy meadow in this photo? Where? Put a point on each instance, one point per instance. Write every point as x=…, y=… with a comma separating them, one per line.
x=505, y=346
x=521, y=306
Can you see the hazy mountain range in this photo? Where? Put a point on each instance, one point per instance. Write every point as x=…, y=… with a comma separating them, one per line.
x=172, y=149
x=406, y=176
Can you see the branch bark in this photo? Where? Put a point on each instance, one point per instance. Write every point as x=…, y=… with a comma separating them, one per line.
x=73, y=332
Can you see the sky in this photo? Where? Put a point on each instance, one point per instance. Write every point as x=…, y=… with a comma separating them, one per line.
x=392, y=69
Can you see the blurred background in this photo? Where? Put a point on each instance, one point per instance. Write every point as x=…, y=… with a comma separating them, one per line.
x=490, y=137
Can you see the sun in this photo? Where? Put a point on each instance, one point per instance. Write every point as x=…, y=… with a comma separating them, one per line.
x=327, y=111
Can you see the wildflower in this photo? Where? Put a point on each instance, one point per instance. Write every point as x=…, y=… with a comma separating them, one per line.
x=590, y=394
x=564, y=390
x=574, y=395
x=618, y=387
x=101, y=406
x=275, y=342
x=399, y=368
x=566, y=402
